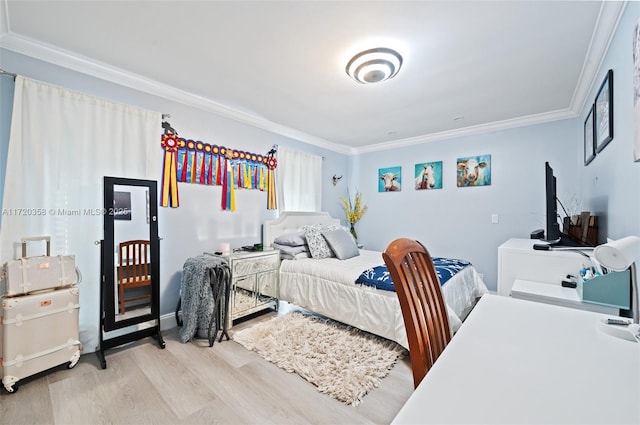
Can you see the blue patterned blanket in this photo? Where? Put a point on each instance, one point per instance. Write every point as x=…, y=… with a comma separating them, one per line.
x=380, y=278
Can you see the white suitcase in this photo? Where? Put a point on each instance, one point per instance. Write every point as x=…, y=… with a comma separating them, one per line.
x=30, y=274
x=39, y=331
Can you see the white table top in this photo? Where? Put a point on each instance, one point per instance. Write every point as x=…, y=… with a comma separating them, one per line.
x=557, y=295
x=517, y=361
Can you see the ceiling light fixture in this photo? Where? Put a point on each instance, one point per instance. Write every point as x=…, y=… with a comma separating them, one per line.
x=374, y=65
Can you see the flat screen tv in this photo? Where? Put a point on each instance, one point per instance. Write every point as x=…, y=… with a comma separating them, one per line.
x=552, y=233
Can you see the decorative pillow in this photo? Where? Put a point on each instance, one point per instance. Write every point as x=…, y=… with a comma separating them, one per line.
x=317, y=243
x=288, y=252
x=291, y=239
x=341, y=243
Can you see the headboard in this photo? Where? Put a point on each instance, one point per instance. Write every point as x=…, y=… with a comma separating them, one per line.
x=292, y=221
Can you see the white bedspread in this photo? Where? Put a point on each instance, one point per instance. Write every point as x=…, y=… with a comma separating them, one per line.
x=327, y=287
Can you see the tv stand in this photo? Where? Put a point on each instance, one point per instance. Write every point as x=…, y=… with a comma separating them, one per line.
x=518, y=260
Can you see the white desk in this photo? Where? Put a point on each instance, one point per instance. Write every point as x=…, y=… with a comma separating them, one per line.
x=515, y=361
x=552, y=293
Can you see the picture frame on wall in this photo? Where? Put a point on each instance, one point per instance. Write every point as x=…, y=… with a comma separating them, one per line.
x=589, y=141
x=428, y=175
x=390, y=179
x=603, y=115
x=473, y=171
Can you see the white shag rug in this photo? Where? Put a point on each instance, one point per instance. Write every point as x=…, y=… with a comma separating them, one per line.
x=341, y=361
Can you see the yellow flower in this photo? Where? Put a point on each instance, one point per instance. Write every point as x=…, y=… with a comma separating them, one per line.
x=354, y=210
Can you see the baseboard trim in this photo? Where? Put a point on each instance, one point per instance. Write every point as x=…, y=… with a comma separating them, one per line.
x=168, y=321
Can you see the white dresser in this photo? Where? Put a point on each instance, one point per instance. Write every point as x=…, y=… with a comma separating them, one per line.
x=534, y=275
x=517, y=260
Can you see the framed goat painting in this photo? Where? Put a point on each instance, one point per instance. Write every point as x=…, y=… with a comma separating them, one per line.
x=389, y=179
x=474, y=171
x=429, y=175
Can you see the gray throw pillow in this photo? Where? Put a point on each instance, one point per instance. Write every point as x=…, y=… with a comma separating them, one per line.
x=290, y=251
x=317, y=243
x=341, y=243
x=291, y=239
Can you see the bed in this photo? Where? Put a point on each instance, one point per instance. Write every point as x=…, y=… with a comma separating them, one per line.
x=328, y=286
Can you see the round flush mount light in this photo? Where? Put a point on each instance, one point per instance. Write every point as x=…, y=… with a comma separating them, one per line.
x=374, y=65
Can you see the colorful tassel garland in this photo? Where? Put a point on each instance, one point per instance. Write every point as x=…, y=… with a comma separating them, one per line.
x=190, y=161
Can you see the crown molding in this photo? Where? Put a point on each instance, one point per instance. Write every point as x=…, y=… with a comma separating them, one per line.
x=608, y=20
x=471, y=130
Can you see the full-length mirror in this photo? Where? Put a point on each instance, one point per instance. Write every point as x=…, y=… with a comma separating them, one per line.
x=130, y=262
x=132, y=252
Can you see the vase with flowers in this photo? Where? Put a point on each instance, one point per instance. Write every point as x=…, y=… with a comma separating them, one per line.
x=354, y=211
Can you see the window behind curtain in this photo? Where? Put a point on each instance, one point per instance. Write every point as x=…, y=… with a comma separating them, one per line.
x=299, y=180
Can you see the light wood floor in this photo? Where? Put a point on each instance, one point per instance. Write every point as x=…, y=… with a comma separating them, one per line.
x=192, y=384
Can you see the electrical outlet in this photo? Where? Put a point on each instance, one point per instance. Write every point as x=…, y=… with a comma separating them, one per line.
x=494, y=218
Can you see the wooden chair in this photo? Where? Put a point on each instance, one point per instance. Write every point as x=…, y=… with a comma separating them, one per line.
x=134, y=270
x=421, y=301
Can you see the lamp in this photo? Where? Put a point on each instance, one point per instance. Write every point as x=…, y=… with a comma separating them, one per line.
x=618, y=256
x=374, y=65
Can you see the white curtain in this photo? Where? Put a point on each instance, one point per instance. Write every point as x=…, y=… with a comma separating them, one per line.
x=299, y=180
x=62, y=144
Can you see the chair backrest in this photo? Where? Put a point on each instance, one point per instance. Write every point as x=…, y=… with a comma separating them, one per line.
x=423, y=308
x=134, y=261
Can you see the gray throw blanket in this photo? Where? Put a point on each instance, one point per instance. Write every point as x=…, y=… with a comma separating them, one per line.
x=197, y=298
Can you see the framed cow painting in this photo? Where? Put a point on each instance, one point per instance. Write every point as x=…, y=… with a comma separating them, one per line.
x=474, y=171
x=389, y=179
x=428, y=175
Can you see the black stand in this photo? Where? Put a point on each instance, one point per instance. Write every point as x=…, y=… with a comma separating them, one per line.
x=105, y=344
x=564, y=241
x=220, y=297
x=140, y=326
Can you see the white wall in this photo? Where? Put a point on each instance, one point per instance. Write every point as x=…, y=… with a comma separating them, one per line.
x=610, y=184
